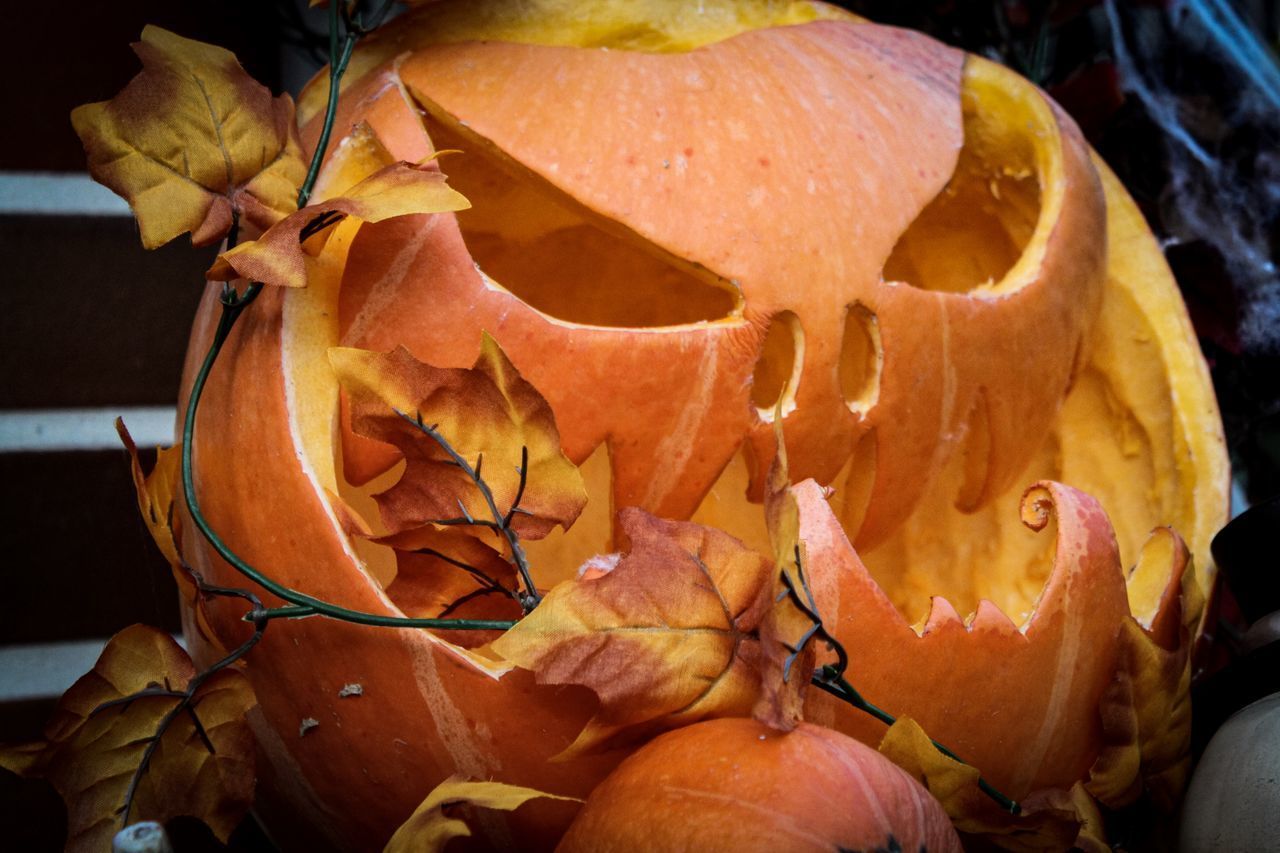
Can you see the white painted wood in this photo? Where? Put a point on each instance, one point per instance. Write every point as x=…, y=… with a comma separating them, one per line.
x=57, y=194
x=27, y=430
x=44, y=671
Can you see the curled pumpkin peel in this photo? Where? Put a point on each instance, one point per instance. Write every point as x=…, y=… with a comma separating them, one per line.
x=926, y=398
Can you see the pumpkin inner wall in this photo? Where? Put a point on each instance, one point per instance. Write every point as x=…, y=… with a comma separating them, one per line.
x=559, y=258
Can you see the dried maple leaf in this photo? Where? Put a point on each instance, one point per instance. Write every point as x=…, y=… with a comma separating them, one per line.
x=279, y=257
x=192, y=139
x=487, y=411
x=90, y=752
x=431, y=827
x=666, y=638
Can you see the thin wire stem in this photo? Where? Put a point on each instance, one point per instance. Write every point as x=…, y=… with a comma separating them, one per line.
x=501, y=523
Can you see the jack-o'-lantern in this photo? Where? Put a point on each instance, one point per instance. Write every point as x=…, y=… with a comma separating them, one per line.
x=687, y=222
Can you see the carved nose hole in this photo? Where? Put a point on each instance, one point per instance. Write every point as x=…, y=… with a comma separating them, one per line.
x=861, y=358
x=777, y=373
x=973, y=232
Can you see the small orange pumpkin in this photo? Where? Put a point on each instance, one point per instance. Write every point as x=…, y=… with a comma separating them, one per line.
x=735, y=784
x=683, y=223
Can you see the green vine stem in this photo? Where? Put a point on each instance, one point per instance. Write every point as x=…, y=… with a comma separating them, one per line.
x=233, y=305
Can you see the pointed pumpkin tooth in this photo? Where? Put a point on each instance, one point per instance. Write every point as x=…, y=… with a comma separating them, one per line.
x=829, y=554
x=1154, y=586
x=942, y=616
x=989, y=618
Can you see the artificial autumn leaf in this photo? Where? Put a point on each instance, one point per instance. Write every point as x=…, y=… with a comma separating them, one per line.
x=485, y=412
x=1146, y=711
x=431, y=827
x=448, y=573
x=191, y=140
x=156, y=492
x=90, y=753
x=353, y=158
x=667, y=638
x=279, y=257
x=786, y=630
x=1050, y=820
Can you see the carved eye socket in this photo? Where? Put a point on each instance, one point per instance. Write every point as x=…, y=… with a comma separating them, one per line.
x=559, y=257
x=971, y=234
x=861, y=359
x=777, y=373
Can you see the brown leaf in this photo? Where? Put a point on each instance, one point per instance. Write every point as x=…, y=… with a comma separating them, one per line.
x=90, y=753
x=192, y=138
x=786, y=632
x=436, y=584
x=279, y=257
x=665, y=639
x=487, y=410
x=429, y=828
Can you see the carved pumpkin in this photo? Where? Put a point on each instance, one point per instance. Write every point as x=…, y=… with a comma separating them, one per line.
x=684, y=223
x=736, y=784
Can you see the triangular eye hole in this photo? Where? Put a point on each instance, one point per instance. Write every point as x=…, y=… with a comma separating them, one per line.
x=971, y=234
x=558, y=257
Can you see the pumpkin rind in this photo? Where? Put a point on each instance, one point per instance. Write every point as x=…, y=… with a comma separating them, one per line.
x=737, y=785
x=673, y=405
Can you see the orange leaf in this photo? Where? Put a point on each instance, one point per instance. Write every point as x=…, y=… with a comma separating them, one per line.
x=91, y=753
x=666, y=638
x=191, y=139
x=486, y=411
x=429, y=828
x=279, y=257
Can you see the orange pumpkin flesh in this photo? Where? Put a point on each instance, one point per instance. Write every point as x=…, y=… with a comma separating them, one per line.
x=764, y=181
x=737, y=785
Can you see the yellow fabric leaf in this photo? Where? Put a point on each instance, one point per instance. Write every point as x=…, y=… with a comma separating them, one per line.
x=1050, y=820
x=667, y=638
x=192, y=138
x=156, y=494
x=486, y=411
x=90, y=753
x=430, y=828
x=357, y=156
x=1146, y=710
x=280, y=257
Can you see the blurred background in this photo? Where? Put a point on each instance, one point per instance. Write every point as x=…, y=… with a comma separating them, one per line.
x=1181, y=98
